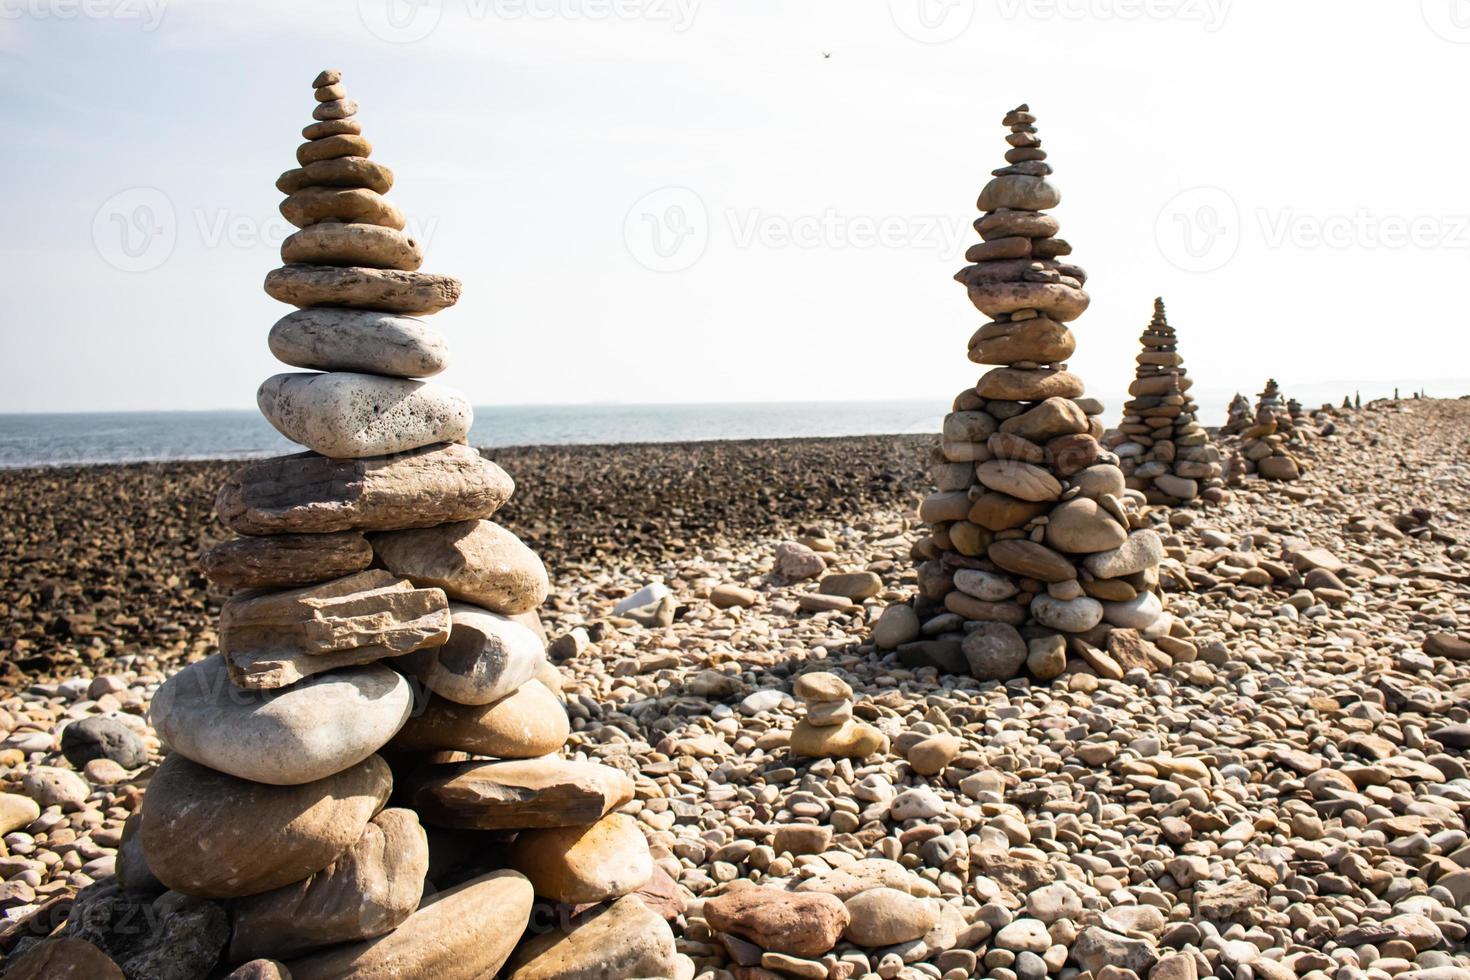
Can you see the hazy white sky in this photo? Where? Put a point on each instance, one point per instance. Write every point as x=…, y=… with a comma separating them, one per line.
x=684, y=200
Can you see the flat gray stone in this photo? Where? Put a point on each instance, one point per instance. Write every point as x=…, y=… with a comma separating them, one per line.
x=321, y=726
x=349, y=416
x=359, y=340
x=359, y=288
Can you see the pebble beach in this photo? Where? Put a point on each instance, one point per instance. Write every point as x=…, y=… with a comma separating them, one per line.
x=1270, y=782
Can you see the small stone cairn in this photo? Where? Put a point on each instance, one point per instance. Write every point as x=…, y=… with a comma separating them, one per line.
x=829, y=730
x=1264, y=445
x=1237, y=416
x=1162, y=449
x=363, y=781
x=1034, y=537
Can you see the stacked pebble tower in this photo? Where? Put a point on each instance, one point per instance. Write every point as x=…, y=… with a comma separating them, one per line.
x=1265, y=444
x=380, y=645
x=1034, y=537
x=829, y=731
x=1237, y=416
x=1163, y=449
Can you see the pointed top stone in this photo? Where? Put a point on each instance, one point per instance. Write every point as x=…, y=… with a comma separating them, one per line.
x=329, y=76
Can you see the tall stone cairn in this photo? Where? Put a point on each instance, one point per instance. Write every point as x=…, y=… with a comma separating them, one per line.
x=1163, y=449
x=1266, y=445
x=364, y=780
x=1035, y=546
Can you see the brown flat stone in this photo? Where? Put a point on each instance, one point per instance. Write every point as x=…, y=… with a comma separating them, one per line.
x=312, y=494
x=284, y=560
x=519, y=795
x=384, y=290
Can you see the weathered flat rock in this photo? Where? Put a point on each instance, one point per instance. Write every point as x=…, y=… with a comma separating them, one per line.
x=274, y=639
x=522, y=725
x=307, y=493
x=305, y=733
x=211, y=835
x=282, y=561
x=1143, y=549
x=466, y=933
x=369, y=890
x=1031, y=560
x=488, y=657
x=1022, y=481
x=337, y=172
x=849, y=740
x=359, y=340
x=1054, y=300
x=520, y=794
x=387, y=290
x=369, y=246
x=1018, y=385
x=313, y=204
x=606, y=860
x=804, y=924
x=478, y=562
x=348, y=416
x=627, y=939
x=1038, y=339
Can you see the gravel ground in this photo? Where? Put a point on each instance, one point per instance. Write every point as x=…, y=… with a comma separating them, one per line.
x=1284, y=796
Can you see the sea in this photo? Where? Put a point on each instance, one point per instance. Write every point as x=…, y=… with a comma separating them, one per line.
x=81, y=438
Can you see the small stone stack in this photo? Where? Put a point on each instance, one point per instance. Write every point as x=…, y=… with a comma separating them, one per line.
x=1237, y=416
x=380, y=642
x=828, y=730
x=1034, y=535
x=1264, y=445
x=1163, y=450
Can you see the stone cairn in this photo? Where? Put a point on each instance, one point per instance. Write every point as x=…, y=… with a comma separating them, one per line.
x=828, y=730
x=1265, y=444
x=1237, y=416
x=1035, y=540
x=1162, y=448
x=363, y=781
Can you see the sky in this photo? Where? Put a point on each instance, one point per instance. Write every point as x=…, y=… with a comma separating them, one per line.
x=691, y=201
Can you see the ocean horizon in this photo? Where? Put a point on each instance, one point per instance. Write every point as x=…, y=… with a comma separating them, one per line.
x=95, y=438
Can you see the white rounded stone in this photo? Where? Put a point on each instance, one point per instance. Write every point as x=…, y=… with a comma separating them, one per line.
x=351, y=416
x=1137, y=613
x=488, y=657
x=1068, y=615
x=299, y=734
